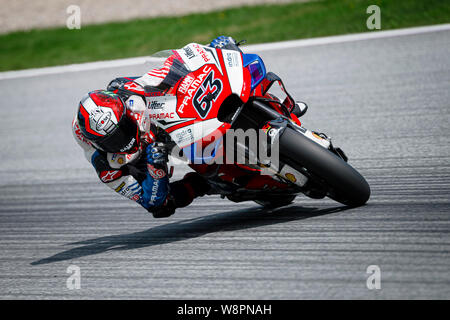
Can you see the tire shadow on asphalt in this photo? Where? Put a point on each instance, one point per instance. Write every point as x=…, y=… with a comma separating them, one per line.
x=189, y=229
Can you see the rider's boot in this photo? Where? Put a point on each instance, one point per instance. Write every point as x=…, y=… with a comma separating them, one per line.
x=187, y=189
x=299, y=109
x=182, y=193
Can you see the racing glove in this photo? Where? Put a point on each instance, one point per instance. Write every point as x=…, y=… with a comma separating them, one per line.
x=224, y=42
x=221, y=41
x=155, y=187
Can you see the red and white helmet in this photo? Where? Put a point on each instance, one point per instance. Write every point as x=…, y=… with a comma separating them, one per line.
x=103, y=120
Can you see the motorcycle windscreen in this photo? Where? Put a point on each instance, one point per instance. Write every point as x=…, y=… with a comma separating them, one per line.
x=163, y=54
x=256, y=67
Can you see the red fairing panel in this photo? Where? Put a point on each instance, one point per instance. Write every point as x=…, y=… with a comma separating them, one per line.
x=201, y=93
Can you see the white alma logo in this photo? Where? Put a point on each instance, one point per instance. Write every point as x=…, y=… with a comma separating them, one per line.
x=74, y=280
x=374, y=21
x=74, y=20
x=374, y=280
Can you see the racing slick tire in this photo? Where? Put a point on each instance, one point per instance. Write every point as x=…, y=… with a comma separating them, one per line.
x=343, y=182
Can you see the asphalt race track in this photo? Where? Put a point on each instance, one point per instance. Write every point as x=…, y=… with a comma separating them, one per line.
x=386, y=102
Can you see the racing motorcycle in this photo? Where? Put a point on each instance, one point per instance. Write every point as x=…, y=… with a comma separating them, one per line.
x=211, y=92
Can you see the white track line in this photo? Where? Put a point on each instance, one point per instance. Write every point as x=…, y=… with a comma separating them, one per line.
x=347, y=38
x=248, y=48
x=77, y=67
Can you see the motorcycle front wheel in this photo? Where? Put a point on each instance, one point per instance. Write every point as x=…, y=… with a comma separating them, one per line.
x=344, y=184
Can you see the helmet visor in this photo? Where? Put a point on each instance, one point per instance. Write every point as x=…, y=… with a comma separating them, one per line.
x=125, y=139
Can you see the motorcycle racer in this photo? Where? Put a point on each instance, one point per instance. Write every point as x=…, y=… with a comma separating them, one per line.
x=124, y=149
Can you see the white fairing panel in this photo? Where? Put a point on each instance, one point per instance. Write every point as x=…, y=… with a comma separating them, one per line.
x=161, y=110
x=194, y=132
x=196, y=56
x=233, y=64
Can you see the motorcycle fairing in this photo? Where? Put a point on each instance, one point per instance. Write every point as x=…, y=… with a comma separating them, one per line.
x=205, y=77
x=190, y=113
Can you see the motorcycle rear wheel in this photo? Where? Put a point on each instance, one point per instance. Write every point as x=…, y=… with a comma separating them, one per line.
x=345, y=184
